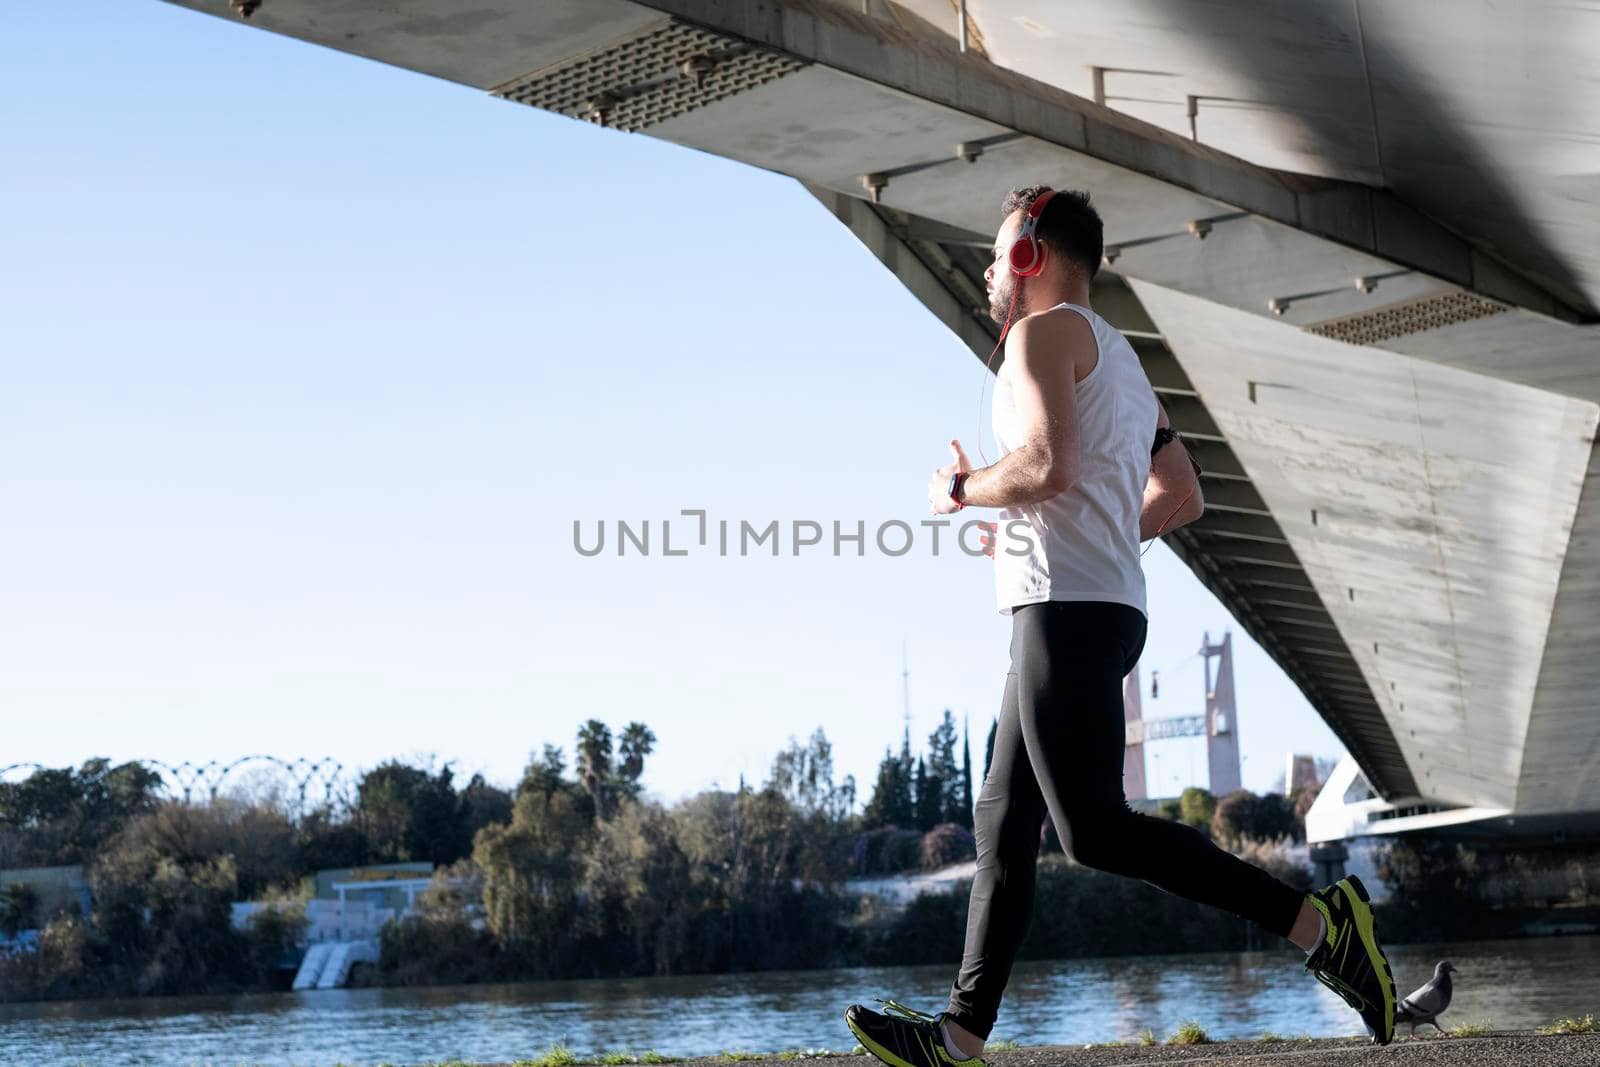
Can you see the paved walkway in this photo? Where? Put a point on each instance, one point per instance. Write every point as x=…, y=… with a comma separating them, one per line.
x=1509, y=1050
x=1494, y=1050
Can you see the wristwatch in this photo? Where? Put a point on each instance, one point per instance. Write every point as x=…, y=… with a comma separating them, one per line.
x=1167, y=434
x=956, y=481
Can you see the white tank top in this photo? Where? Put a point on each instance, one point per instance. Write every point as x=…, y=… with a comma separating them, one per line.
x=1084, y=541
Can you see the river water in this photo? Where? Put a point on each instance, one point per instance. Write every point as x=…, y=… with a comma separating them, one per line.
x=1513, y=984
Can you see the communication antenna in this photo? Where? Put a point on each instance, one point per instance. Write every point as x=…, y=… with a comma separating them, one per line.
x=905, y=682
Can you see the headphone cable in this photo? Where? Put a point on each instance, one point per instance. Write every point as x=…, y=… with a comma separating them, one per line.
x=983, y=382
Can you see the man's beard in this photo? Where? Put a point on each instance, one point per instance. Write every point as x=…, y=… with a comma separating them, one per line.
x=1000, y=299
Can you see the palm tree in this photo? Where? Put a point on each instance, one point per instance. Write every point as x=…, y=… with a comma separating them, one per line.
x=594, y=763
x=637, y=743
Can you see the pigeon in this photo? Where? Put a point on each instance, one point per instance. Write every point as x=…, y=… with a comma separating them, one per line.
x=1428, y=1002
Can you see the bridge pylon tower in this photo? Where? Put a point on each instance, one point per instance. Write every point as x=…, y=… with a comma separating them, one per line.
x=1222, y=718
x=1133, y=780
x=1219, y=724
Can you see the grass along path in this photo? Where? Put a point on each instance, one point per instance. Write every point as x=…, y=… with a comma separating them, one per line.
x=1568, y=1042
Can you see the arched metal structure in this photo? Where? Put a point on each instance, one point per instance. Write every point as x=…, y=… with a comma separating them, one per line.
x=189, y=780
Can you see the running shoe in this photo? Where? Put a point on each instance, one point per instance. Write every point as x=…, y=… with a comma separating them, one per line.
x=902, y=1037
x=1349, y=961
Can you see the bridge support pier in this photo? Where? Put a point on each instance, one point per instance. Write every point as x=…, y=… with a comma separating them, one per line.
x=1327, y=861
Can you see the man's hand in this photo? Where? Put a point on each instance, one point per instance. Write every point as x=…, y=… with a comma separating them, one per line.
x=939, y=484
x=1044, y=353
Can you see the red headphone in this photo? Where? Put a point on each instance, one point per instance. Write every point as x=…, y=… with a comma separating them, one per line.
x=1025, y=257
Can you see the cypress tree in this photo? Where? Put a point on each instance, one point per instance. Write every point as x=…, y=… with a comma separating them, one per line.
x=926, y=799
x=891, y=796
x=988, y=748
x=944, y=783
x=905, y=798
x=963, y=814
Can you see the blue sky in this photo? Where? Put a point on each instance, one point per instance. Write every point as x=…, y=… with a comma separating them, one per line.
x=309, y=365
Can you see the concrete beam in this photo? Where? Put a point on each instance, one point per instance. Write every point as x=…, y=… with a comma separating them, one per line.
x=925, y=281
x=1189, y=415
x=1345, y=672
x=1295, y=616
x=1279, y=556
x=1217, y=460
x=1346, y=688
x=1279, y=600
x=1115, y=302
x=1280, y=618
x=1341, y=654
x=1238, y=525
x=1281, y=584
x=1162, y=368
x=1234, y=496
x=1354, y=216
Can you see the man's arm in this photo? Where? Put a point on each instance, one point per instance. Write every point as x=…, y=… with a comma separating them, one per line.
x=1043, y=351
x=1172, y=496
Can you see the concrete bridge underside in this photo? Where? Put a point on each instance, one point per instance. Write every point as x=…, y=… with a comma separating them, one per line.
x=1355, y=245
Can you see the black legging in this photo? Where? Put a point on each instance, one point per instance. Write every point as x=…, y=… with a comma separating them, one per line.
x=1059, y=745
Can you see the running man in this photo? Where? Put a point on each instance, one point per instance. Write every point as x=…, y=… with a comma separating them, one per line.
x=1075, y=417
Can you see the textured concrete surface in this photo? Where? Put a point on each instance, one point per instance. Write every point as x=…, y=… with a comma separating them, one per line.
x=1514, y=1049
x=1510, y=1050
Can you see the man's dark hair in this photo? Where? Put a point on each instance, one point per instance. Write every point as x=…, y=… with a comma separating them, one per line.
x=1069, y=224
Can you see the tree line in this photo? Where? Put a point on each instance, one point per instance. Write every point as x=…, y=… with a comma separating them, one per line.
x=575, y=871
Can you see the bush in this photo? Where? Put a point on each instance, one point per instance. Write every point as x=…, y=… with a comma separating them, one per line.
x=1233, y=823
x=947, y=843
x=930, y=930
x=1077, y=912
x=1196, y=807
x=62, y=967
x=19, y=908
x=1083, y=912
x=435, y=949
x=1420, y=872
x=274, y=933
x=445, y=939
x=886, y=850
x=1252, y=825
x=163, y=894
x=1275, y=860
